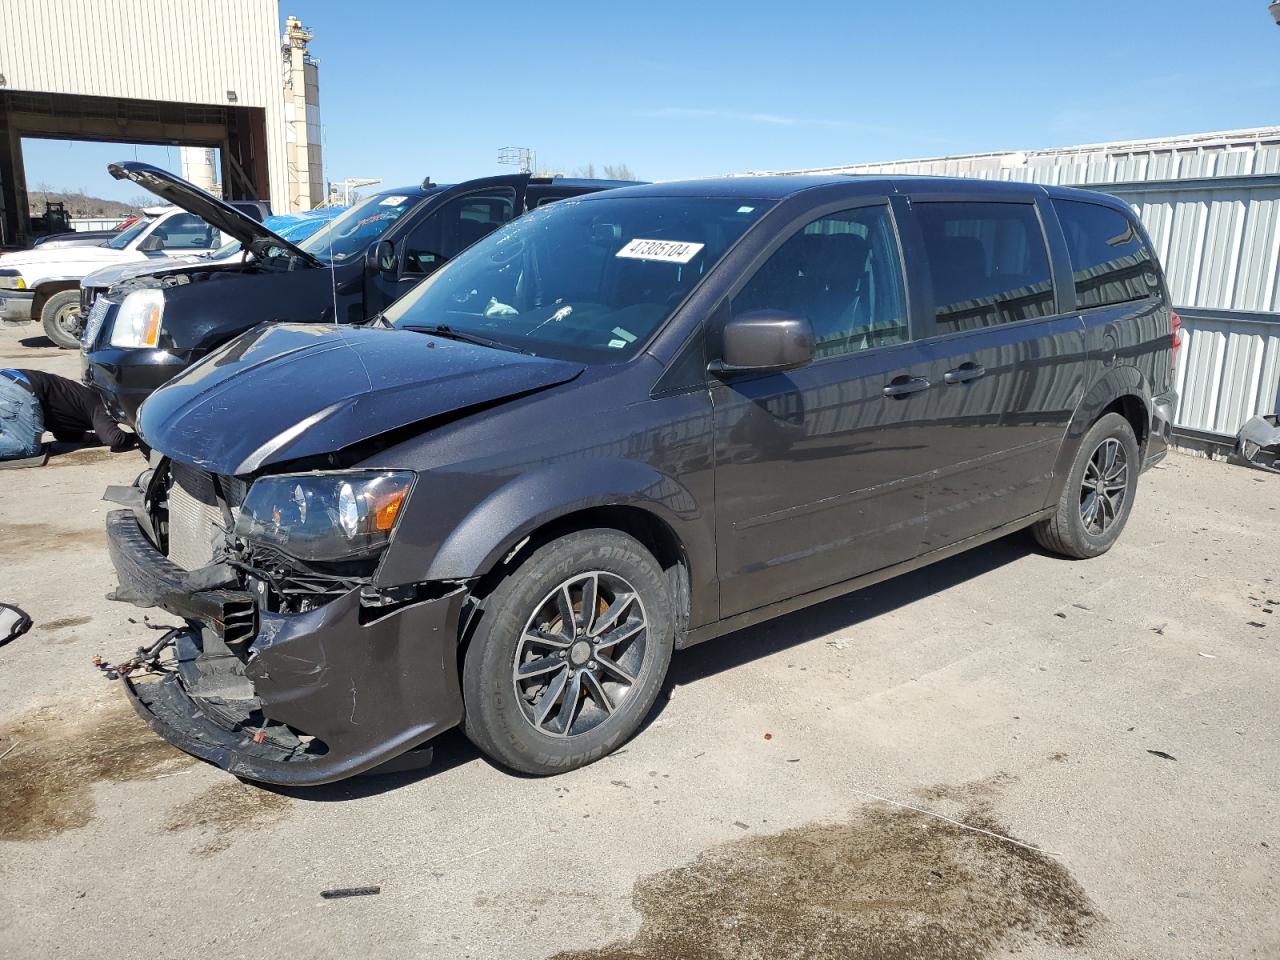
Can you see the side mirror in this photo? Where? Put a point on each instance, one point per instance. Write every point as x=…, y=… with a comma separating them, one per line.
x=765, y=340
x=151, y=245
x=382, y=257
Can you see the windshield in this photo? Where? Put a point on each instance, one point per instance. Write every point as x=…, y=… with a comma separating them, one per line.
x=350, y=234
x=287, y=226
x=126, y=236
x=586, y=280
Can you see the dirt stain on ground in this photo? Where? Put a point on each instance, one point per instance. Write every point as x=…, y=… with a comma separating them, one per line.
x=39, y=537
x=64, y=623
x=59, y=754
x=80, y=457
x=890, y=884
x=224, y=810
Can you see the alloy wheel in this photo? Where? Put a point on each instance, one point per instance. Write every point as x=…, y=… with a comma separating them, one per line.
x=1105, y=486
x=580, y=654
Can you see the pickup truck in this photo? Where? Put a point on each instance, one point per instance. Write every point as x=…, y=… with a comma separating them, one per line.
x=44, y=284
x=143, y=331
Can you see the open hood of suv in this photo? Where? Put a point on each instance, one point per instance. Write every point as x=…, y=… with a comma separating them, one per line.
x=206, y=206
x=285, y=391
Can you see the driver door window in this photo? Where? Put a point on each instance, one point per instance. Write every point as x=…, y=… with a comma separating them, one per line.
x=455, y=226
x=842, y=273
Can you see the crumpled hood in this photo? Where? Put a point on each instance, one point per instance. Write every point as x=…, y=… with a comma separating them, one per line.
x=284, y=391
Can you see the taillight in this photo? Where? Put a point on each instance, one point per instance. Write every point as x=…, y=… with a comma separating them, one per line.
x=1175, y=337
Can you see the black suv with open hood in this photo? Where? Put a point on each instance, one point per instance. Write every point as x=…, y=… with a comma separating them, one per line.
x=144, y=330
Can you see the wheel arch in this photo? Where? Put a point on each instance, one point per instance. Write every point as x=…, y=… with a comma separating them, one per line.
x=1121, y=390
x=625, y=495
x=46, y=289
x=652, y=531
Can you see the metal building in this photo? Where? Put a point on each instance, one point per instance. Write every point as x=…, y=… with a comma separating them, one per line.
x=202, y=73
x=1211, y=203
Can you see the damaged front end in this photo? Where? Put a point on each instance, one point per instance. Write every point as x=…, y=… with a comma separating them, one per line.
x=294, y=666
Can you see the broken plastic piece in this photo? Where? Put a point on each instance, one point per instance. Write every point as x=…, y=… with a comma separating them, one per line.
x=1258, y=443
x=13, y=623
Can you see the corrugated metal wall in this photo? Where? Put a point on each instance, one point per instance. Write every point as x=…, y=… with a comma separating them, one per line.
x=1211, y=204
x=188, y=51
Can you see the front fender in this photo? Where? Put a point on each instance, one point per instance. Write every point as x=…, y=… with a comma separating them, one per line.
x=534, y=499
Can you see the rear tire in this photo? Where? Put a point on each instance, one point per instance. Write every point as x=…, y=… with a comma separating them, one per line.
x=544, y=693
x=1098, y=494
x=61, y=318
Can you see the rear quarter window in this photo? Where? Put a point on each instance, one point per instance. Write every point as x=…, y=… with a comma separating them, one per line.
x=1110, y=263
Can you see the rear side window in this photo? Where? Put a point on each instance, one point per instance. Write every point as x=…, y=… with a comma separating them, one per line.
x=988, y=261
x=1109, y=262
x=842, y=273
x=186, y=231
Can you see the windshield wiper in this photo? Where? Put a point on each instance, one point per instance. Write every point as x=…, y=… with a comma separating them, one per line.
x=449, y=333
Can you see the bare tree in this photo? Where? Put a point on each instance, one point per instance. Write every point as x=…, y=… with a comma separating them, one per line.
x=588, y=172
x=618, y=171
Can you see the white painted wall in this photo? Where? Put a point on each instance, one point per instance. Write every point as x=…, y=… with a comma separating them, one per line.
x=190, y=51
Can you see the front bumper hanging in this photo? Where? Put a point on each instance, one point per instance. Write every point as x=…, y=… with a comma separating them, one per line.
x=315, y=697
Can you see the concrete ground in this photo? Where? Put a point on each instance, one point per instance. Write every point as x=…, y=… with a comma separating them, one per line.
x=1116, y=717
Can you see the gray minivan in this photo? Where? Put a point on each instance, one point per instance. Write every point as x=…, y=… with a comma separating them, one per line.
x=619, y=426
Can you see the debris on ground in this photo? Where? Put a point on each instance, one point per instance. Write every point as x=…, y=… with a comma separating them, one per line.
x=339, y=892
x=1258, y=444
x=13, y=623
x=1162, y=755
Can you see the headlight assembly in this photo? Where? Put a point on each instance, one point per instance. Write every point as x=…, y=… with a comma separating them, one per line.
x=12, y=280
x=137, y=322
x=324, y=517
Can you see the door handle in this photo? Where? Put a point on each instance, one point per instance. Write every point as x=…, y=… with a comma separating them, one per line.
x=903, y=386
x=964, y=373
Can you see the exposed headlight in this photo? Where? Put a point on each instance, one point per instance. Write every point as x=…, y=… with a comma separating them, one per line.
x=11, y=280
x=137, y=321
x=337, y=516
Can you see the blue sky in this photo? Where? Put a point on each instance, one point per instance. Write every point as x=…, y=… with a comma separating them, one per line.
x=691, y=89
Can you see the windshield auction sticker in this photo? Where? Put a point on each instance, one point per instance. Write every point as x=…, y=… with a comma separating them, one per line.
x=664, y=251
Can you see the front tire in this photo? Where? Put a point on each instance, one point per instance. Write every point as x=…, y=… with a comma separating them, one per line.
x=1098, y=495
x=569, y=653
x=61, y=318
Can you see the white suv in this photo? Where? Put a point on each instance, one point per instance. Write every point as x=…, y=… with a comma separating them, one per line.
x=42, y=284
